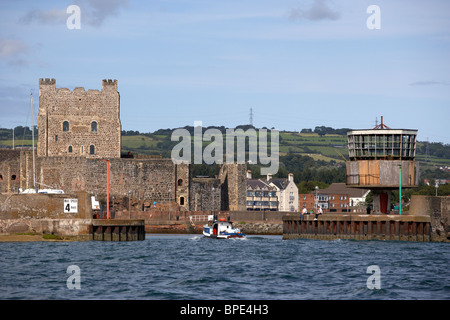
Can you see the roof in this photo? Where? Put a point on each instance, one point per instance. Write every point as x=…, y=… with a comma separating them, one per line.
x=258, y=184
x=280, y=183
x=341, y=188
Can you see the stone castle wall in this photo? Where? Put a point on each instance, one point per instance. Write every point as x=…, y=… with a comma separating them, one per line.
x=144, y=179
x=79, y=122
x=234, y=192
x=79, y=128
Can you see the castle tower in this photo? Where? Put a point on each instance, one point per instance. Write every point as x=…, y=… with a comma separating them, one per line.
x=182, y=185
x=376, y=158
x=79, y=122
x=233, y=177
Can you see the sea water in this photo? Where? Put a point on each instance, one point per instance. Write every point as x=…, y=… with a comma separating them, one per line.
x=179, y=267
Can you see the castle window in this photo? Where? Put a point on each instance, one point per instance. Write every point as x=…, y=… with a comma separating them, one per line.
x=92, y=149
x=180, y=182
x=66, y=126
x=181, y=201
x=70, y=149
x=56, y=138
x=94, y=126
x=13, y=177
x=1, y=177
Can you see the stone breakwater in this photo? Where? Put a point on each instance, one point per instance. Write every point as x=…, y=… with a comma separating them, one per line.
x=262, y=228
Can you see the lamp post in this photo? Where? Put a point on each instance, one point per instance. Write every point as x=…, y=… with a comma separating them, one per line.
x=400, y=189
x=317, y=199
x=212, y=193
x=436, y=186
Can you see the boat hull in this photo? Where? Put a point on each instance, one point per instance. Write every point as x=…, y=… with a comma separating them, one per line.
x=208, y=232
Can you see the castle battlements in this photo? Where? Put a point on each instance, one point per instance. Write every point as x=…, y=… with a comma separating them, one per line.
x=47, y=81
x=109, y=83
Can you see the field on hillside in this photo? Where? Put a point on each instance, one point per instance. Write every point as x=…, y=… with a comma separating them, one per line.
x=327, y=148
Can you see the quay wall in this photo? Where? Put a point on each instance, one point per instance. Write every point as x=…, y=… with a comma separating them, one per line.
x=74, y=229
x=43, y=206
x=359, y=227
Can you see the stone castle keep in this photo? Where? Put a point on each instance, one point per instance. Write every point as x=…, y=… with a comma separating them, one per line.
x=79, y=122
x=79, y=129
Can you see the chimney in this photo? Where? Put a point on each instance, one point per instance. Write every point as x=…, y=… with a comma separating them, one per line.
x=249, y=174
x=269, y=177
x=291, y=177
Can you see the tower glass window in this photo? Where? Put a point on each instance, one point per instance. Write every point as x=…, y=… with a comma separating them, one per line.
x=92, y=149
x=66, y=126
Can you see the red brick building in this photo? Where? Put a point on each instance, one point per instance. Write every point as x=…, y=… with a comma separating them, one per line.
x=336, y=198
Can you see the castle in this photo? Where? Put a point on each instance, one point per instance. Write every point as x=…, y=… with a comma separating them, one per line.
x=79, y=129
x=79, y=122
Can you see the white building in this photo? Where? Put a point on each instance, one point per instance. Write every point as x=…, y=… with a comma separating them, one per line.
x=287, y=192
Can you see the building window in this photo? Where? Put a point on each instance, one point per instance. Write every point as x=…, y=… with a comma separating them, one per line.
x=180, y=182
x=94, y=126
x=66, y=126
x=13, y=177
x=92, y=149
x=181, y=201
x=56, y=138
x=70, y=149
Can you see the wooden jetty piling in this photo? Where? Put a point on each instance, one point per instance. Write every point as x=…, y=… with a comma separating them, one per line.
x=117, y=230
x=358, y=227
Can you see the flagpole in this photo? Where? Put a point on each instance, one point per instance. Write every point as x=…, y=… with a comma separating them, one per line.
x=32, y=135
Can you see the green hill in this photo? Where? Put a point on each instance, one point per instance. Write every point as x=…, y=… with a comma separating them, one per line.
x=311, y=155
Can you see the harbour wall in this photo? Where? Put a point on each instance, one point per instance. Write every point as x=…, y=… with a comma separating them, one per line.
x=359, y=227
x=428, y=220
x=43, y=213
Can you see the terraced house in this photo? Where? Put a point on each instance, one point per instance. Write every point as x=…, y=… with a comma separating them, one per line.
x=274, y=194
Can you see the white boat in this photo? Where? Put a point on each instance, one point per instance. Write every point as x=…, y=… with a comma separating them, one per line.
x=221, y=229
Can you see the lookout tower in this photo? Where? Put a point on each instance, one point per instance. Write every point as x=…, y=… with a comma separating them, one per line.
x=382, y=159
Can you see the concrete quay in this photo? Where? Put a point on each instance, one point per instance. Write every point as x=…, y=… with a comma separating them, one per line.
x=358, y=227
x=117, y=230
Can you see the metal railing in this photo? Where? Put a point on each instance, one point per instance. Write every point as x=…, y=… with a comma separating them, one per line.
x=198, y=218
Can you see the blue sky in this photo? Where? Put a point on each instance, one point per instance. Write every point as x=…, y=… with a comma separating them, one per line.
x=297, y=64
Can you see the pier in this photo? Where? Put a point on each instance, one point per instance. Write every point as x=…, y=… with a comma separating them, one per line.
x=117, y=230
x=358, y=227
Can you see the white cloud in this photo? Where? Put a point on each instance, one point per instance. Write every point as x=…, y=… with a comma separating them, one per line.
x=52, y=16
x=319, y=10
x=14, y=52
x=93, y=13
